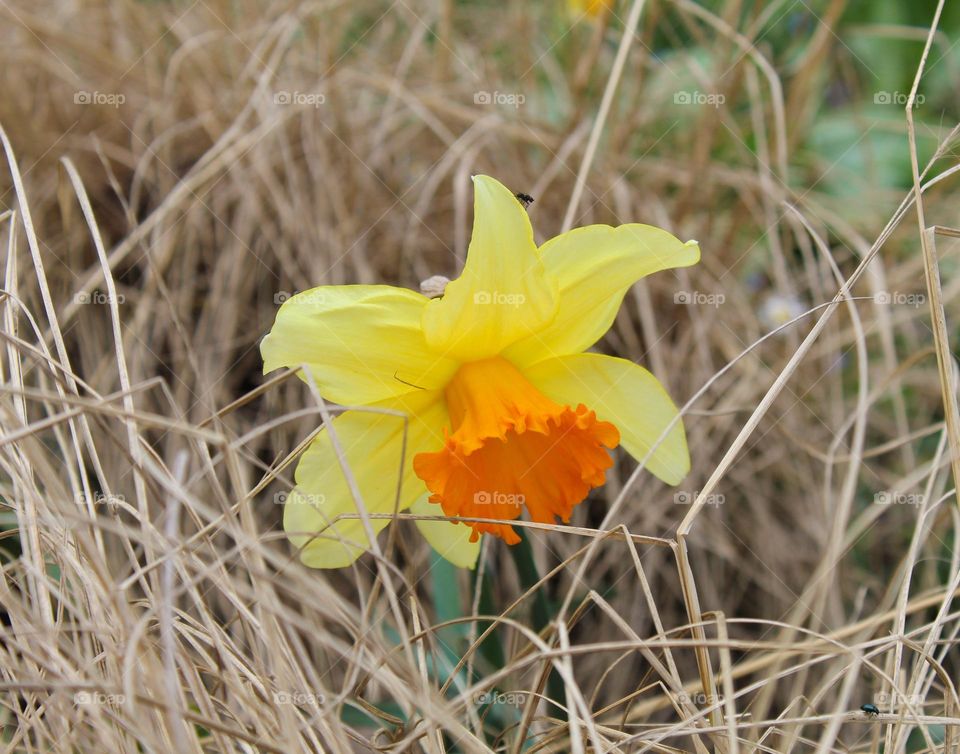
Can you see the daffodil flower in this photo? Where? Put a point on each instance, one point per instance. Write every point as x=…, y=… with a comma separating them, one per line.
x=504, y=410
x=592, y=8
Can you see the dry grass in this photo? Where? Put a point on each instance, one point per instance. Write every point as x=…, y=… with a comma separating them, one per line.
x=150, y=601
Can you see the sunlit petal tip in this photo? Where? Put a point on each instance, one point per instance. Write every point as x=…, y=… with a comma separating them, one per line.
x=595, y=267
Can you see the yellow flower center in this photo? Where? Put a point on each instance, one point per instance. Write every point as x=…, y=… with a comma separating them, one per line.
x=512, y=447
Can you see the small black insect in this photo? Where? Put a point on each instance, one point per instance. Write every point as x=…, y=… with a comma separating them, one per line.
x=871, y=709
x=525, y=199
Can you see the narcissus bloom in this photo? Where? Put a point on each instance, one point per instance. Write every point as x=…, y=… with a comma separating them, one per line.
x=593, y=8
x=504, y=412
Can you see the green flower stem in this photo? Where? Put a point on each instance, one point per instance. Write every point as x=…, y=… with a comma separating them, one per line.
x=529, y=576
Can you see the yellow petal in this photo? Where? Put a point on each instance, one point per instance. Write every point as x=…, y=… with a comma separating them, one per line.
x=595, y=266
x=451, y=540
x=362, y=343
x=503, y=294
x=372, y=444
x=627, y=396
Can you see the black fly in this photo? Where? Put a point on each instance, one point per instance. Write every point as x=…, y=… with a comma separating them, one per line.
x=525, y=199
